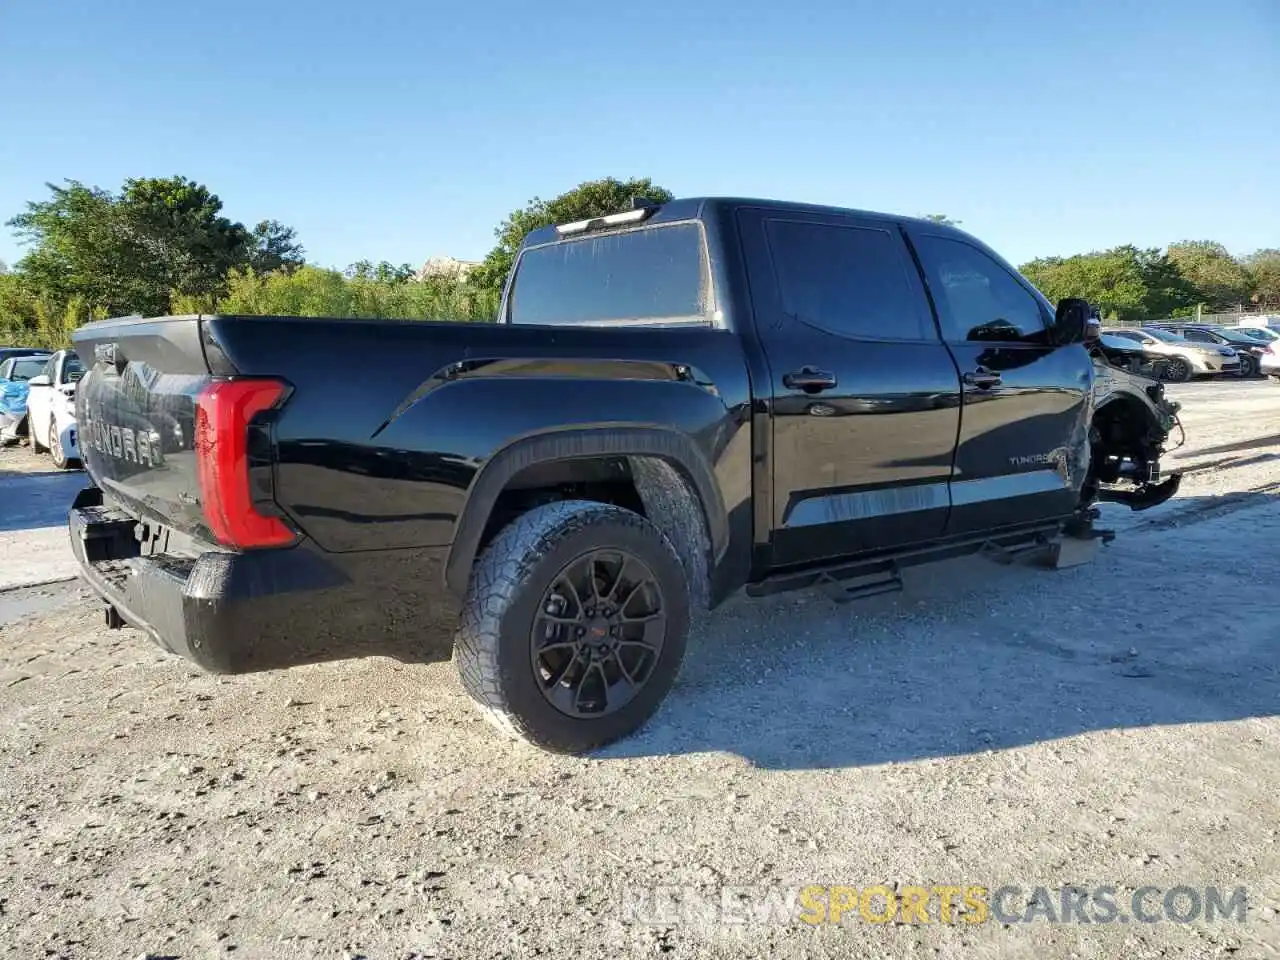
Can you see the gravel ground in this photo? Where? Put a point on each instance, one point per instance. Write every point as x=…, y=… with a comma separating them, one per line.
x=1111, y=724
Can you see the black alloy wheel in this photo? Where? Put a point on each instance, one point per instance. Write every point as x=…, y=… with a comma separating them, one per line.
x=599, y=633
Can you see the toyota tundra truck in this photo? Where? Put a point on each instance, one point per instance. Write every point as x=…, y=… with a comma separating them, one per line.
x=677, y=401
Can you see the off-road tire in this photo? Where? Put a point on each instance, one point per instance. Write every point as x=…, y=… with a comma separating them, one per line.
x=508, y=583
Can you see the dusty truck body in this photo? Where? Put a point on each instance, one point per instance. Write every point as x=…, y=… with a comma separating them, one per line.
x=676, y=402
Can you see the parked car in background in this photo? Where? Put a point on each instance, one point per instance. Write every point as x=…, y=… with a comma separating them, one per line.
x=1261, y=334
x=1183, y=359
x=1266, y=321
x=51, y=408
x=1247, y=348
x=8, y=352
x=1130, y=355
x=14, y=374
x=1269, y=366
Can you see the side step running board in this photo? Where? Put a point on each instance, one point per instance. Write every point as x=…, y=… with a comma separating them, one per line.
x=888, y=580
x=883, y=574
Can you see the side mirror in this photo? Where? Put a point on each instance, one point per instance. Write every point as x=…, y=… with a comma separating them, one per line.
x=1072, y=320
x=41, y=380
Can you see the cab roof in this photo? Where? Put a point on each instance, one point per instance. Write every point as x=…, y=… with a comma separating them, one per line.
x=703, y=208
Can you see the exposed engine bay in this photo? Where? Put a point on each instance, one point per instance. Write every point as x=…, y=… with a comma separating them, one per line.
x=1131, y=423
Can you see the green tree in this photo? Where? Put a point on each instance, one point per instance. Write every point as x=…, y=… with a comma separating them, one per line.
x=79, y=247
x=1220, y=281
x=274, y=246
x=941, y=218
x=313, y=291
x=1125, y=283
x=595, y=198
x=1263, y=267
x=188, y=245
x=135, y=252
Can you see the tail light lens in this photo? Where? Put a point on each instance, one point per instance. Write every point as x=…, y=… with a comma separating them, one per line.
x=224, y=410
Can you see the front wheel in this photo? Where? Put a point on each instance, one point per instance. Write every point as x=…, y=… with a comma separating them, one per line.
x=574, y=625
x=1177, y=370
x=1248, y=366
x=60, y=458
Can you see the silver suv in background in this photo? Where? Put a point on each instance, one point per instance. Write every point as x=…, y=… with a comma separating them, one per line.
x=1183, y=359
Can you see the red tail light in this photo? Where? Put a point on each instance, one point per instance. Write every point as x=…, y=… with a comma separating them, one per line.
x=223, y=411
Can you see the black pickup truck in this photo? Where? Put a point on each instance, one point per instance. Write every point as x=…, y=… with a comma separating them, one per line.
x=677, y=401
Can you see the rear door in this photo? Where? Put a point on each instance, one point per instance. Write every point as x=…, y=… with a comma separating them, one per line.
x=1026, y=402
x=865, y=397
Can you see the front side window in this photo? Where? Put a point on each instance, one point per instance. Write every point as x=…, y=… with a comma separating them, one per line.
x=977, y=297
x=847, y=279
x=648, y=275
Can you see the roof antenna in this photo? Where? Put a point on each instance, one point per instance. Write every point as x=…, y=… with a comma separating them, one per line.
x=639, y=203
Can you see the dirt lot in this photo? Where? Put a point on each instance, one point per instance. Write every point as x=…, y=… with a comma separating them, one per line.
x=1113, y=724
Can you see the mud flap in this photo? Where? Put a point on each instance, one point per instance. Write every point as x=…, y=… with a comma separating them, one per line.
x=1071, y=552
x=1078, y=544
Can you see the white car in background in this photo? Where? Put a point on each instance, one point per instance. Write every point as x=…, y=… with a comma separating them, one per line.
x=51, y=408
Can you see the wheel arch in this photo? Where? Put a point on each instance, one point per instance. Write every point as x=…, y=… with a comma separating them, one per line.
x=671, y=477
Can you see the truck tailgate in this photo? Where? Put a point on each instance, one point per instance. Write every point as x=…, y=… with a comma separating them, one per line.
x=135, y=407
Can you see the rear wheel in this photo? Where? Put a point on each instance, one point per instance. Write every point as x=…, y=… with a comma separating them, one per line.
x=1248, y=366
x=574, y=625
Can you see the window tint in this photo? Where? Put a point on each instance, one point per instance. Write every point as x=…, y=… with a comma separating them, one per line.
x=652, y=274
x=977, y=297
x=1192, y=334
x=847, y=279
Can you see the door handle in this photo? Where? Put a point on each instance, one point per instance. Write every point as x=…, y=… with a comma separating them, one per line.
x=809, y=379
x=983, y=379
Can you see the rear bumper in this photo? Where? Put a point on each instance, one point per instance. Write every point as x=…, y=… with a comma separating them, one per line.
x=243, y=612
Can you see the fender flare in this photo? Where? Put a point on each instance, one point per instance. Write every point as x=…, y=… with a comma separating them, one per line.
x=571, y=444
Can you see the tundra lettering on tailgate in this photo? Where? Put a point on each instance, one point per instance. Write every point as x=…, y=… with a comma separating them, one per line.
x=123, y=443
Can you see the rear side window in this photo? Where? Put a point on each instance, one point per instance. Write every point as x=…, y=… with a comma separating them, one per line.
x=652, y=275
x=978, y=298
x=847, y=279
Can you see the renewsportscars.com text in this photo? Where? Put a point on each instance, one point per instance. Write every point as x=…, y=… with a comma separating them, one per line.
x=818, y=904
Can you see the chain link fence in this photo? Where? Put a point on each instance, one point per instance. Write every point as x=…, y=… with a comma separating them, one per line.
x=1234, y=319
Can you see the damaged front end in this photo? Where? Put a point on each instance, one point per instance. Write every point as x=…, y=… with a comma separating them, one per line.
x=1132, y=421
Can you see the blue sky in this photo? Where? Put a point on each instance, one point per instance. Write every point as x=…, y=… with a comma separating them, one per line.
x=396, y=130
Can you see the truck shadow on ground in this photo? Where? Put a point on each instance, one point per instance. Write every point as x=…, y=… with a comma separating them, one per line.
x=974, y=656
x=29, y=501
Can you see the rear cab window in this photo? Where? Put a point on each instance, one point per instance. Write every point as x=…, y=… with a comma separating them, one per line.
x=653, y=275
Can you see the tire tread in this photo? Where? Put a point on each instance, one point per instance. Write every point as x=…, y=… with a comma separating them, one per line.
x=495, y=580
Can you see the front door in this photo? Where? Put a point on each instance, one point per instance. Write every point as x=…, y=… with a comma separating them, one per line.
x=865, y=396
x=1024, y=420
